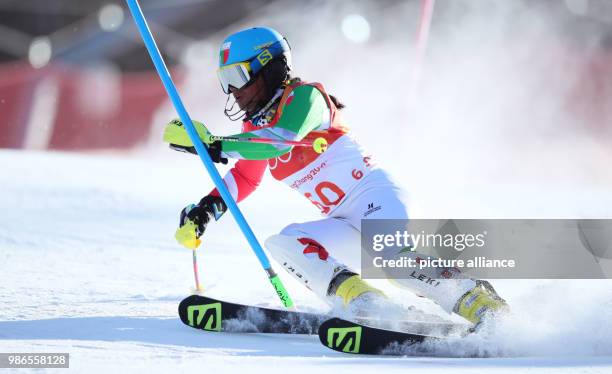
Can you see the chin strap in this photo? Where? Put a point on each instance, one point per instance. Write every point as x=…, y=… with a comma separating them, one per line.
x=236, y=115
x=241, y=114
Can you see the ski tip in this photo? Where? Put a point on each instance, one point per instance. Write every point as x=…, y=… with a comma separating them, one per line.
x=341, y=335
x=352, y=337
x=201, y=313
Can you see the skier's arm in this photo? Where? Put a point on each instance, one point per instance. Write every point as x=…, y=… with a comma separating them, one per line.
x=301, y=114
x=243, y=178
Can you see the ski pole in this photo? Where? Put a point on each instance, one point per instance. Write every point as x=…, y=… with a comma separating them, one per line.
x=198, y=288
x=319, y=145
x=164, y=75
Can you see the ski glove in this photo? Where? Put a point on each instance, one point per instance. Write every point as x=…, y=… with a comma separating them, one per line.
x=176, y=135
x=195, y=218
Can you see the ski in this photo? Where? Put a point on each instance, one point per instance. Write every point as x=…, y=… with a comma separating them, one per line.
x=209, y=314
x=205, y=313
x=350, y=337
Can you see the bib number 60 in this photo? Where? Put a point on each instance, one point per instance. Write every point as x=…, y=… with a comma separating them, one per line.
x=328, y=193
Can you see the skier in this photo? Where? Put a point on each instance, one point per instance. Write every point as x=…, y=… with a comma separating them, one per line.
x=343, y=182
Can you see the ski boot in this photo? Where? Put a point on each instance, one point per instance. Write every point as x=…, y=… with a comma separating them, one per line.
x=351, y=288
x=358, y=297
x=480, y=304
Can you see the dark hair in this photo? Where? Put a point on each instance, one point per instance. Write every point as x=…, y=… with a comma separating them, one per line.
x=275, y=73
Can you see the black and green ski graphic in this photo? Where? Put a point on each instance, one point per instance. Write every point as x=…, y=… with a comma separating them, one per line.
x=350, y=337
x=205, y=313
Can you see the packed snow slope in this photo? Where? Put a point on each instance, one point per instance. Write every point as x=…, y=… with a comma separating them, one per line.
x=89, y=266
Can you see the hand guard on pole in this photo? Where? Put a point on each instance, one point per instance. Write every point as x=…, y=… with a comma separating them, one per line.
x=177, y=137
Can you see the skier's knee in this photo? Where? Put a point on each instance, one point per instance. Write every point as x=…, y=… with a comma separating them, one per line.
x=291, y=230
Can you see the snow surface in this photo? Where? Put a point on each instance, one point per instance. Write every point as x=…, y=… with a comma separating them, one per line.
x=89, y=266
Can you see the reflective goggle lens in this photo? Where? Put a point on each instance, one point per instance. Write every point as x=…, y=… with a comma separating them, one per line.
x=235, y=75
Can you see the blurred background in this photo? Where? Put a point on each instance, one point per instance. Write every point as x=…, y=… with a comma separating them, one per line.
x=497, y=91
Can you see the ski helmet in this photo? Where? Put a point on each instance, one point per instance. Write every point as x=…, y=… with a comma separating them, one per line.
x=243, y=55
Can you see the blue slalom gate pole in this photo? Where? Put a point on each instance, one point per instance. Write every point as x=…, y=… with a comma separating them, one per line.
x=164, y=75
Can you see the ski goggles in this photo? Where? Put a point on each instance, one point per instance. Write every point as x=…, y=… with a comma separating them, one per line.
x=235, y=75
x=240, y=74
